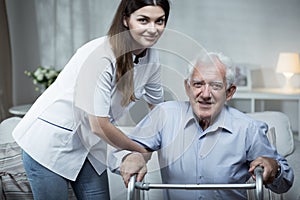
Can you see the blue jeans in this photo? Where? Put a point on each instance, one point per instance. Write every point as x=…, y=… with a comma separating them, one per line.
x=46, y=184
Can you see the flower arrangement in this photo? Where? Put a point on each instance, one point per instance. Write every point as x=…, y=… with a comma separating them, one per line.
x=43, y=77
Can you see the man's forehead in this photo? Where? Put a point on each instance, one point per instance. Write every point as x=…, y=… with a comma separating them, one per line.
x=206, y=71
x=211, y=67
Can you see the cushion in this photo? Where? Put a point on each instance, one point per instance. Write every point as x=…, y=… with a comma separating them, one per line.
x=272, y=136
x=12, y=174
x=282, y=128
x=6, y=128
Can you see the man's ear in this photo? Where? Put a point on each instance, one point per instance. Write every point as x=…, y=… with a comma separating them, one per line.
x=230, y=92
x=187, y=87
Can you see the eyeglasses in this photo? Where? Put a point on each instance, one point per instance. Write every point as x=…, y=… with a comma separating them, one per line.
x=215, y=85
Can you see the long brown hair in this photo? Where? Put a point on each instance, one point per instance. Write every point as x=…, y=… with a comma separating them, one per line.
x=119, y=38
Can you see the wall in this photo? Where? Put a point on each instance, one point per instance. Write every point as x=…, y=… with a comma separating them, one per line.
x=25, y=49
x=251, y=32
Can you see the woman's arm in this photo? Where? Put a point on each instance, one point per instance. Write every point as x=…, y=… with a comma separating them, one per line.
x=112, y=135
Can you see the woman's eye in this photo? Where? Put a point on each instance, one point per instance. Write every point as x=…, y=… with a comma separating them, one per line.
x=143, y=21
x=160, y=21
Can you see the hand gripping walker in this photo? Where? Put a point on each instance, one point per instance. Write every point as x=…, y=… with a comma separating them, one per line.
x=134, y=187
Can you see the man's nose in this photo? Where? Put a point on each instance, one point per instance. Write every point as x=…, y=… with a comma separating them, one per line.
x=206, y=91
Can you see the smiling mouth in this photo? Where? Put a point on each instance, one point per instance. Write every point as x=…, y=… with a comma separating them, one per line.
x=150, y=38
x=205, y=103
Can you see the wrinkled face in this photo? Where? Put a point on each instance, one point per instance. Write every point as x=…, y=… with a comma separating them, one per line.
x=206, y=90
x=146, y=25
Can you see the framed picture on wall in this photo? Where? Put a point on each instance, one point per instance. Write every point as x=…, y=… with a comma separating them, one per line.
x=243, y=78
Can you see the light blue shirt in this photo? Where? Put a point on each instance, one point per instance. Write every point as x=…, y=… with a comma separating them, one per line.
x=220, y=154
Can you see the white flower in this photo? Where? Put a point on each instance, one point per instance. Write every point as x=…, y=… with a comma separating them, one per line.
x=37, y=72
x=51, y=74
x=40, y=77
x=43, y=76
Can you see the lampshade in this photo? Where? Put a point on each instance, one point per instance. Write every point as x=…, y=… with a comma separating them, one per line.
x=288, y=63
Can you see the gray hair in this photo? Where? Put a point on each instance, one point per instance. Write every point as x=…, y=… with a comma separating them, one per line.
x=208, y=58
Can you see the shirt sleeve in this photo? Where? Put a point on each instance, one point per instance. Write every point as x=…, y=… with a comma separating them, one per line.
x=154, y=89
x=94, y=86
x=260, y=146
x=285, y=179
x=147, y=134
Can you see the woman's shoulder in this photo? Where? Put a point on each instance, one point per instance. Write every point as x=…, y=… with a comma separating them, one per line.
x=152, y=55
x=98, y=48
x=94, y=42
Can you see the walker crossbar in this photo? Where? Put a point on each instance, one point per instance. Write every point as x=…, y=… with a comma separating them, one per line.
x=134, y=187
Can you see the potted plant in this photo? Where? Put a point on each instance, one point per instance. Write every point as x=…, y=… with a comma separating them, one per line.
x=43, y=77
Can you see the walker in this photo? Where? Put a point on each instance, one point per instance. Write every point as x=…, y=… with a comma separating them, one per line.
x=134, y=187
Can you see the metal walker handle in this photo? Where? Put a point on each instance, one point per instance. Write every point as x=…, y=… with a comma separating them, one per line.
x=134, y=187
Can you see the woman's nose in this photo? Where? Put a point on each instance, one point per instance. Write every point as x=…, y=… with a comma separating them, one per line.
x=152, y=28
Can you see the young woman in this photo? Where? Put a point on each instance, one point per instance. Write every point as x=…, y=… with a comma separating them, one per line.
x=64, y=135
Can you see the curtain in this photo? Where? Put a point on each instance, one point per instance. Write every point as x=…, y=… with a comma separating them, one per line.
x=65, y=25
x=5, y=64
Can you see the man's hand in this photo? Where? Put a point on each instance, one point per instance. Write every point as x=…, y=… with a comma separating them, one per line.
x=270, y=168
x=133, y=164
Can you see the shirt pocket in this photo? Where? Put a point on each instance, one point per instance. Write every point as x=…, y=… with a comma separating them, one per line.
x=61, y=115
x=52, y=133
x=58, y=121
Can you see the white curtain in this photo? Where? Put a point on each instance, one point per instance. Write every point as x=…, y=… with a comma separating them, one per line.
x=5, y=64
x=65, y=25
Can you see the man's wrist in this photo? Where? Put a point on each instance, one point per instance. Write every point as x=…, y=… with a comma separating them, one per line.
x=278, y=170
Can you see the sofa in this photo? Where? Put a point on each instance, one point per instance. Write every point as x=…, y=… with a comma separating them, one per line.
x=14, y=185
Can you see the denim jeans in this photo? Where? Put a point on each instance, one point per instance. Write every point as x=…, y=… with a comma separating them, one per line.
x=46, y=184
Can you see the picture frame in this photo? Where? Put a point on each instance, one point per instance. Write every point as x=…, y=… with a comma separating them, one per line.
x=243, y=78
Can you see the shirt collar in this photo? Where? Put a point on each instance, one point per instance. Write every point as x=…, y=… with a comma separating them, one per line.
x=222, y=121
x=137, y=58
x=190, y=117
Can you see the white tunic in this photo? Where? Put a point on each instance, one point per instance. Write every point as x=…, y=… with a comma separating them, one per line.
x=55, y=131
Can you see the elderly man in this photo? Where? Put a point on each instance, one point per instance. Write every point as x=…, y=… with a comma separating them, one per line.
x=206, y=141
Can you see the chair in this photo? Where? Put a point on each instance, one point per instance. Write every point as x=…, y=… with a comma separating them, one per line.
x=13, y=179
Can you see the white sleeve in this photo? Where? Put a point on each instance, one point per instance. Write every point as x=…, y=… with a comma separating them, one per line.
x=154, y=90
x=94, y=86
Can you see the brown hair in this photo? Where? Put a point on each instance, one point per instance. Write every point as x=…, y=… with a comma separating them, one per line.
x=121, y=45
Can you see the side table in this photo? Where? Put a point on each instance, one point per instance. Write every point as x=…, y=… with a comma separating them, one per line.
x=20, y=110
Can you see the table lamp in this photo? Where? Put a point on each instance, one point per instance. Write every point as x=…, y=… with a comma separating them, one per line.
x=288, y=64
